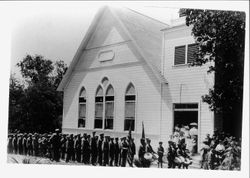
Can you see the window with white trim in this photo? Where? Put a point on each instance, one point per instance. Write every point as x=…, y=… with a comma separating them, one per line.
x=185, y=54
x=104, y=105
x=130, y=101
x=109, y=108
x=82, y=108
x=98, y=108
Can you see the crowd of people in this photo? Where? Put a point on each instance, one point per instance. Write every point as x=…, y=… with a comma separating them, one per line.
x=182, y=144
x=95, y=150
x=221, y=151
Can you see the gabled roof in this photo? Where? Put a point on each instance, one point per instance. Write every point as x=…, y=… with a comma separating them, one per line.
x=145, y=33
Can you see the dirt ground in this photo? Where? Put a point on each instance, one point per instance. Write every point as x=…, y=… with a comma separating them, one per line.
x=21, y=159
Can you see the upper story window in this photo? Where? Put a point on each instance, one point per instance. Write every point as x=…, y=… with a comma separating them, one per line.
x=82, y=108
x=185, y=54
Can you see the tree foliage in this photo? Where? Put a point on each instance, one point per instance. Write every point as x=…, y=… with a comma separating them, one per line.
x=40, y=103
x=220, y=36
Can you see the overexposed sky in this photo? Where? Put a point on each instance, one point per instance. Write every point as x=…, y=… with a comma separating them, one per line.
x=56, y=31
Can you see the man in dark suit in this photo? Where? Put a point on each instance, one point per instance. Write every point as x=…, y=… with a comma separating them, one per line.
x=124, y=152
x=111, y=151
x=105, y=150
x=77, y=147
x=99, y=145
x=116, y=151
x=85, y=149
x=69, y=147
x=94, y=149
x=56, y=144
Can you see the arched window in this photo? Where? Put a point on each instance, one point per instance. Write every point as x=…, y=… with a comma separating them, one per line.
x=109, y=108
x=130, y=100
x=82, y=108
x=98, y=108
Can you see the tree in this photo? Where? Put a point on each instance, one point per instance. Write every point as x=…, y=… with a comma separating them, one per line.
x=16, y=92
x=41, y=105
x=220, y=36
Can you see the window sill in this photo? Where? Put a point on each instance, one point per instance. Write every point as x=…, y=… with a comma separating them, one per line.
x=180, y=65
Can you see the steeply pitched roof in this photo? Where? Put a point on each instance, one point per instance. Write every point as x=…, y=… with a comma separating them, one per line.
x=145, y=33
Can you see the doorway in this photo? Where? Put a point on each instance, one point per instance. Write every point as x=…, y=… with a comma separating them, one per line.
x=186, y=119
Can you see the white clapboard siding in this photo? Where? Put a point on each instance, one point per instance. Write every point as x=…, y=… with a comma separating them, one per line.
x=186, y=84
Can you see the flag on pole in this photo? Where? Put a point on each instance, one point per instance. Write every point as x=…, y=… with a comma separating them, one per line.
x=130, y=156
x=130, y=132
x=143, y=133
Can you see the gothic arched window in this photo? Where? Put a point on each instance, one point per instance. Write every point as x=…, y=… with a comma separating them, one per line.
x=82, y=108
x=130, y=101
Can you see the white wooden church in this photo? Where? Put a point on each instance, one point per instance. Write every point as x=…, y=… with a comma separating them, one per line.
x=131, y=68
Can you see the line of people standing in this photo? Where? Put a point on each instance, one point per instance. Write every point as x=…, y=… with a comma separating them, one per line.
x=96, y=150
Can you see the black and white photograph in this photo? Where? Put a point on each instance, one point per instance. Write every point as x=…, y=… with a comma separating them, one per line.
x=128, y=86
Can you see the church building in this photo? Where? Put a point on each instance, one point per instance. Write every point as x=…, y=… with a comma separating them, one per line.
x=132, y=69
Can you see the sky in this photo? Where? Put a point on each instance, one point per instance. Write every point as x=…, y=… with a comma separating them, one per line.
x=56, y=31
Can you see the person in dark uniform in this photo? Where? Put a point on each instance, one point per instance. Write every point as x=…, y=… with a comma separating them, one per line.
x=116, y=151
x=77, y=147
x=100, y=141
x=85, y=149
x=105, y=150
x=94, y=149
x=35, y=144
x=10, y=146
x=120, y=148
x=171, y=154
x=29, y=145
x=89, y=149
x=160, y=152
x=40, y=147
x=124, y=152
x=44, y=145
x=55, y=143
x=69, y=147
x=63, y=146
x=14, y=143
x=24, y=144
x=141, y=152
x=111, y=151
x=19, y=144
x=133, y=151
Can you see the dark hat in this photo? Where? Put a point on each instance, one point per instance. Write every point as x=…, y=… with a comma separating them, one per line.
x=102, y=134
x=160, y=142
x=111, y=138
x=142, y=140
x=116, y=138
x=93, y=133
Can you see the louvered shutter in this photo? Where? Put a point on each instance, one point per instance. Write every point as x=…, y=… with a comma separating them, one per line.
x=192, y=49
x=179, y=57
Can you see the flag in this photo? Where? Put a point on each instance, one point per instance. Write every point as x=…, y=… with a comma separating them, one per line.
x=129, y=132
x=143, y=133
x=130, y=156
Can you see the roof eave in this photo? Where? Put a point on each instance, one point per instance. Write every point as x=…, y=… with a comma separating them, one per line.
x=80, y=49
